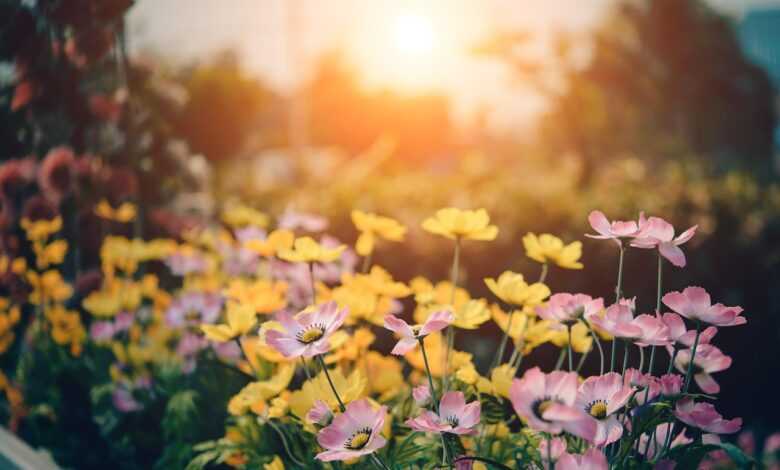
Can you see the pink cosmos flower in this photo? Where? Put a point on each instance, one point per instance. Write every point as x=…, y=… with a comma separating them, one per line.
x=658, y=233
x=421, y=395
x=618, y=321
x=101, y=331
x=353, y=433
x=708, y=360
x=547, y=403
x=568, y=308
x=671, y=384
x=193, y=309
x=772, y=443
x=659, y=440
x=602, y=397
x=293, y=220
x=320, y=414
x=454, y=417
x=411, y=335
x=557, y=448
x=680, y=336
x=653, y=331
x=645, y=384
x=694, y=303
x=307, y=333
x=592, y=459
x=615, y=230
x=704, y=417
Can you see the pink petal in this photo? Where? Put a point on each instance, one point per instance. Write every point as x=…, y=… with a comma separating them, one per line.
x=673, y=253
x=398, y=326
x=437, y=322
x=600, y=223
x=404, y=346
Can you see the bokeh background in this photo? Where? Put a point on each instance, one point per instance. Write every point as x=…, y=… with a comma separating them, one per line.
x=538, y=111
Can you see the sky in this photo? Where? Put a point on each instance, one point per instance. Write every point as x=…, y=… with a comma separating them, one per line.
x=410, y=45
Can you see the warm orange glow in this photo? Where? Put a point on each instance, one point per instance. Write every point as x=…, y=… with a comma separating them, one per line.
x=414, y=34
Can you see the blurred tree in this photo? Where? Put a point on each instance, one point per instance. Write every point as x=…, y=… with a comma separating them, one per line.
x=664, y=78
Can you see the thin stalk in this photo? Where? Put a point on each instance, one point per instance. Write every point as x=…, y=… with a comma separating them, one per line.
x=454, y=273
x=285, y=444
x=618, y=293
x=504, y=339
x=583, y=358
x=543, y=274
x=305, y=369
x=561, y=357
x=434, y=399
x=378, y=462
x=693, y=357
x=569, y=351
x=672, y=359
x=601, y=349
x=625, y=358
x=641, y=360
x=366, y=262
x=313, y=286
x=332, y=387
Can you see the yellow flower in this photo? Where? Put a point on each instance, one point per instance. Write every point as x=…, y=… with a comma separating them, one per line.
x=519, y=321
x=66, y=328
x=469, y=313
x=8, y=320
x=261, y=391
x=240, y=319
x=53, y=253
x=368, y=296
x=580, y=337
x=372, y=226
x=275, y=464
x=277, y=241
x=346, y=348
x=501, y=379
x=512, y=289
x=307, y=250
x=125, y=213
x=42, y=229
x=467, y=374
x=455, y=223
x=115, y=296
x=549, y=248
x=317, y=388
x=262, y=295
x=242, y=216
x=435, y=349
x=48, y=286
x=385, y=375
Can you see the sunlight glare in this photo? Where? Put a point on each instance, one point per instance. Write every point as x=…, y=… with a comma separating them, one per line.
x=414, y=34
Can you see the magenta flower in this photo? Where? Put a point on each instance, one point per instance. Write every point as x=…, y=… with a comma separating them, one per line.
x=101, y=331
x=592, y=459
x=646, y=384
x=602, y=397
x=615, y=230
x=568, y=308
x=307, y=333
x=411, y=335
x=694, y=304
x=421, y=395
x=658, y=233
x=680, y=336
x=353, y=433
x=708, y=360
x=653, y=331
x=320, y=414
x=454, y=417
x=618, y=320
x=547, y=403
x=704, y=417
x=671, y=384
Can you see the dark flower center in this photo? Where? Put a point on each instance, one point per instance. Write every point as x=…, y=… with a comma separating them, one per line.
x=359, y=439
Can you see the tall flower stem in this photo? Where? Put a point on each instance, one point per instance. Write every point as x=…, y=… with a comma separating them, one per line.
x=601, y=349
x=504, y=339
x=689, y=373
x=434, y=399
x=561, y=357
x=313, y=285
x=366, y=263
x=618, y=294
x=543, y=274
x=330, y=381
x=378, y=462
x=641, y=360
x=625, y=358
x=569, y=350
x=454, y=274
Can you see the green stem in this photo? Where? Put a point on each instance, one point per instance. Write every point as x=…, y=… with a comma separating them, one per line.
x=601, y=349
x=434, y=399
x=454, y=273
x=619, y=286
x=313, y=286
x=569, y=350
x=641, y=359
x=484, y=460
x=561, y=357
x=543, y=274
x=583, y=358
x=285, y=444
x=332, y=387
x=378, y=462
x=689, y=373
x=625, y=358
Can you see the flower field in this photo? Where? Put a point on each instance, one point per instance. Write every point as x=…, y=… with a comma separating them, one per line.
x=185, y=286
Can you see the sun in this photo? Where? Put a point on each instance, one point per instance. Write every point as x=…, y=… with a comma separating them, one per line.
x=414, y=34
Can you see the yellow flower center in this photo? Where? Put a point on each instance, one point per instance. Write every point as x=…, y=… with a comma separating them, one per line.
x=312, y=334
x=358, y=440
x=540, y=406
x=598, y=409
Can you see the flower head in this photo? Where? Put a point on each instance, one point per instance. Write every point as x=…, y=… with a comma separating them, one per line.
x=308, y=250
x=653, y=331
x=371, y=227
x=615, y=230
x=568, y=308
x=658, y=233
x=411, y=335
x=680, y=336
x=512, y=289
x=671, y=384
x=602, y=397
x=618, y=320
x=705, y=417
x=307, y=334
x=240, y=319
x=552, y=448
x=193, y=308
x=547, y=248
x=547, y=403
x=694, y=303
x=454, y=416
x=320, y=414
x=421, y=395
x=353, y=433
x=455, y=223
x=646, y=385
x=592, y=459
x=708, y=360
